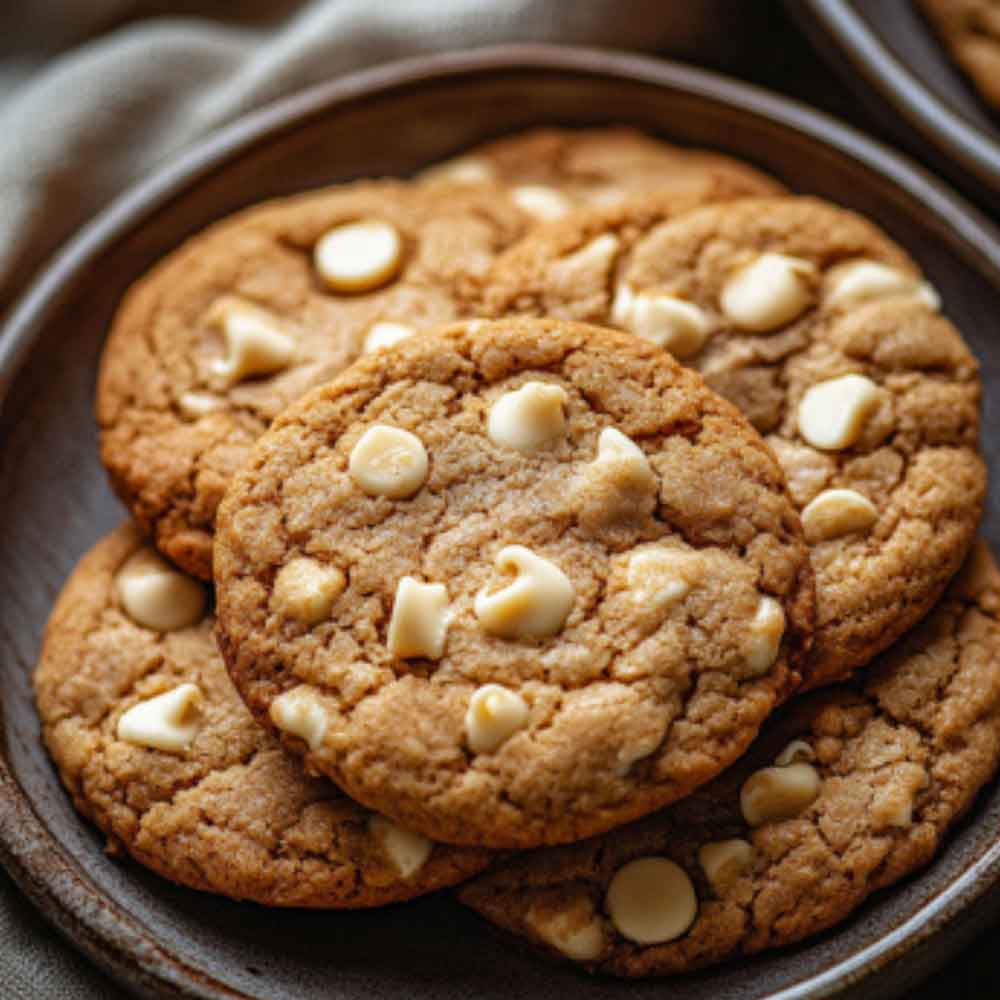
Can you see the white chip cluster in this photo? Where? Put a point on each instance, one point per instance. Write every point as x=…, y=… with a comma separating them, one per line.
x=531, y=598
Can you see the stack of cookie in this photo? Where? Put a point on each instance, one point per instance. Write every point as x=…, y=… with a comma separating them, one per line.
x=536, y=492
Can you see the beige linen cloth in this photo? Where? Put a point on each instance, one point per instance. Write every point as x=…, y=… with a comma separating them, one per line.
x=95, y=94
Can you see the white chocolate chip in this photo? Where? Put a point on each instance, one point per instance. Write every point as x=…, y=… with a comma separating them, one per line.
x=659, y=577
x=651, y=901
x=300, y=713
x=777, y=793
x=724, y=861
x=157, y=596
x=462, y=170
x=866, y=280
x=168, y=722
x=766, y=630
x=495, y=713
x=618, y=487
x=528, y=418
x=615, y=448
x=359, y=256
x=676, y=325
x=606, y=197
x=621, y=306
x=255, y=342
x=407, y=851
x=891, y=811
x=893, y=802
x=198, y=404
x=537, y=603
x=306, y=589
x=385, y=334
x=419, y=620
x=769, y=292
x=832, y=414
x=837, y=512
x=576, y=933
x=388, y=462
x=598, y=255
x=541, y=202
x=612, y=444
x=797, y=750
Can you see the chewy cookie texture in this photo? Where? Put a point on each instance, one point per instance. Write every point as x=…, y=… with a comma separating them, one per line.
x=550, y=172
x=245, y=317
x=157, y=749
x=844, y=793
x=565, y=570
x=825, y=334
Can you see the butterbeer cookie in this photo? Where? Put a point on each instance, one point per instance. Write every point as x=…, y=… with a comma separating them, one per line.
x=550, y=171
x=849, y=790
x=971, y=31
x=248, y=315
x=533, y=577
x=826, y=335
x=155, y=747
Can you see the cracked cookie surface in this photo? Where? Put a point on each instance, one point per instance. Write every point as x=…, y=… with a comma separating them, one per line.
x=233, y=813
x=971, y=31
x=573, y=586
x=775, y=301
x=600, y=166
x=899, y=752
x=245, y=317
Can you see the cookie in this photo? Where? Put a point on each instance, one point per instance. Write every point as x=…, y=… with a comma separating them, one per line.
x=570, y=586
x=847, y=791
x=550, y=171
x=156, y=748
x=248, y=315
x=825, y=334
x=971, y=31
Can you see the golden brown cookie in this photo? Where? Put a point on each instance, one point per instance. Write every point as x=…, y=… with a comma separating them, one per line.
x=971, y=31
x=567, y=584
x=825, y=334
x=157, y=749
x=248, y=315
x=550, y=171
x=844, y=793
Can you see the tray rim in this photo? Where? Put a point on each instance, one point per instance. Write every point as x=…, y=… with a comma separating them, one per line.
x=838, y=26
x=96, y=925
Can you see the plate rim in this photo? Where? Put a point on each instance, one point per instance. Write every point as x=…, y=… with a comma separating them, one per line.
x=838, y=22
x=103, y=930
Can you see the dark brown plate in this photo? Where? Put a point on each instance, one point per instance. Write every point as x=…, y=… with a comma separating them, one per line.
x=54, y=503
x=889, y=54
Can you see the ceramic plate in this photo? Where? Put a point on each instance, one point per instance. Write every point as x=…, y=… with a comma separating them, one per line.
x=890, y=55
x=54, y=503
